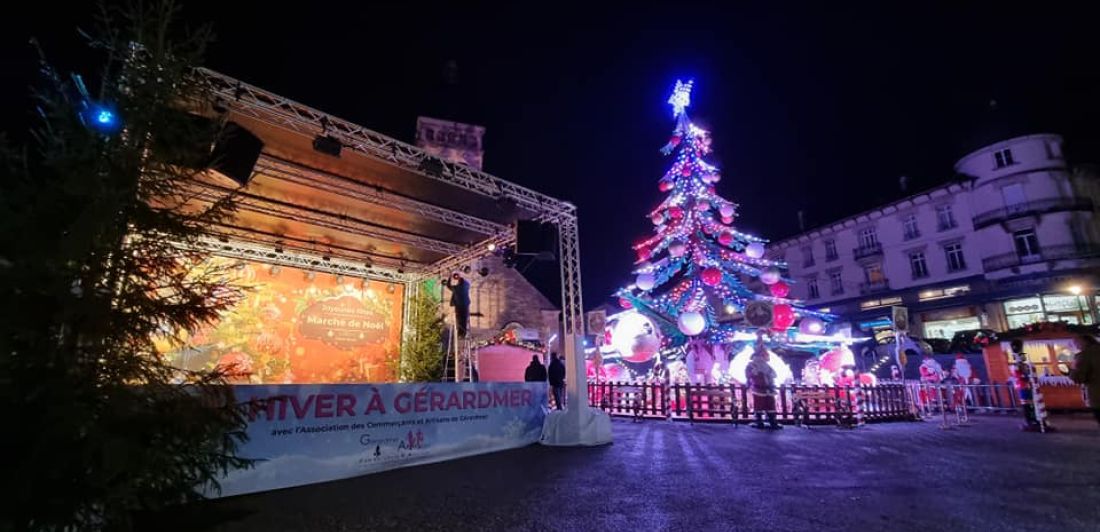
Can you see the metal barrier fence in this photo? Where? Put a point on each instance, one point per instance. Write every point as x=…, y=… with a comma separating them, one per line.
x=936, y=398
x=732, y=403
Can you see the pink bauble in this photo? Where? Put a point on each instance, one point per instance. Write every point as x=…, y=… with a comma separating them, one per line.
x=665, y=185
x=686, y=171
x=657, y=218
x=726, y=210
x=725, y=239
x=625, y=303
x=676, y=212
x=677, y=250
x=643, y=253
x=711, y=276
x=675, y=140
x=782, y=316
x=780, y=289
x=702, y=206
x=728, y=220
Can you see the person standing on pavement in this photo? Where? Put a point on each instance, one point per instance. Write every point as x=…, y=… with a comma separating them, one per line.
x=761, y=379
x=1086, y=370
x=536, y=372
x=557, y=378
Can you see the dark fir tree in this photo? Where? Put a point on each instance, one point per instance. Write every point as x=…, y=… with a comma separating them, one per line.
x=97, y=226
x=422, y=351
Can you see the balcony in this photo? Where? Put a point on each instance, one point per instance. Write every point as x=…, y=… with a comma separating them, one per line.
x=1031, y=208
x=871, y=287
x=1012, y=260
x=865, y=251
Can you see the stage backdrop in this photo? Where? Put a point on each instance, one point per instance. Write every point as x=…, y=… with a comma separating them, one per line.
x=300, y=327
x=304, y=434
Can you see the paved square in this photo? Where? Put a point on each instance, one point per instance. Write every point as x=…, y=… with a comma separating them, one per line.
x=675, y=476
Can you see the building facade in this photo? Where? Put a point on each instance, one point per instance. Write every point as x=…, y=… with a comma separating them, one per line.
x=1014, y=242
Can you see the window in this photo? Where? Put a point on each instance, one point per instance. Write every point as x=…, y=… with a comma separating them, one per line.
x=918, y=265
x=1014, y=197
x=912, y=230
x=955, y=260
x=873, y=273
x=807, y=256
x=836, y=283
x=811, y=287
x=945, y=217
x=1027, y=245
x=1003, y=158
x=867, y=237
x=830, y=250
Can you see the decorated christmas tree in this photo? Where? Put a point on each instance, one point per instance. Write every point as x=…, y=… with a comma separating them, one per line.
x=692, y=274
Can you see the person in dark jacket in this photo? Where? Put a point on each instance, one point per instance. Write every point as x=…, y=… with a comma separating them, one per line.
x=460, y=300
x=557, y=378
x=536, y=372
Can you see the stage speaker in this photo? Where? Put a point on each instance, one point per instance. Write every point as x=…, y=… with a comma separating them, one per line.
x=236, y=152
x=536, y=238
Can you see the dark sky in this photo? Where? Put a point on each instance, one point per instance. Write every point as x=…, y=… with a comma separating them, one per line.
x=812, y=107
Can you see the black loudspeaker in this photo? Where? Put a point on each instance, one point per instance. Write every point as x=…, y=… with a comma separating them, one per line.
x=236, y=152
x=536, y=238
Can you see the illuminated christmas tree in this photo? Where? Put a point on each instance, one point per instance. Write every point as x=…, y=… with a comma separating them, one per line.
x=690, y=273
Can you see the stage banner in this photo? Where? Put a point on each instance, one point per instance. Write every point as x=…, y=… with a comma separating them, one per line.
x=302, y=434
x=451, y=141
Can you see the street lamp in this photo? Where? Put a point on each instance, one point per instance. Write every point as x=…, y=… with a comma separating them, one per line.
x=1075, y=289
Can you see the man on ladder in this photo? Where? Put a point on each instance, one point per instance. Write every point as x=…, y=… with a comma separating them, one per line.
x=460, y=300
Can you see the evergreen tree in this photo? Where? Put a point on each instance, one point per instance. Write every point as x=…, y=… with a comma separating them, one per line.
x=422, y=348
x=689, y=274
x=97, y=224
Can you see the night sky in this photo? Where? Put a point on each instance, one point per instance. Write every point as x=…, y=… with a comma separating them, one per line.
x=811, y=108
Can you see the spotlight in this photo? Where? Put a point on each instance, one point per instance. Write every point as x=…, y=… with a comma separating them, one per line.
x=466, y=269
x=1075, y=289
x=484, y=271
x=101, y=118
x=327, y=145
x=492, y=246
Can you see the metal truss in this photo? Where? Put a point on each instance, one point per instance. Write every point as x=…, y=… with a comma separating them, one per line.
x=236, y=249
x=472, y=253
x=287, y=171
x=290, y=115
x=319, y=218
x=572, y=306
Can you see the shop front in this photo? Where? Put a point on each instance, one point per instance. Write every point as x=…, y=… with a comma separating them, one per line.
x=1072, y=309
x=945, y=323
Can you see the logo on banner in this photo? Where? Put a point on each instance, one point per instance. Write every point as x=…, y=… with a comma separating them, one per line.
x=343, y=322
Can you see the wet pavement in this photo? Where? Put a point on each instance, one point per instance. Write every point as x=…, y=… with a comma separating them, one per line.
x=675, y=476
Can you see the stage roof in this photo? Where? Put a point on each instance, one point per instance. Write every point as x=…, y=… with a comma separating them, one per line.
x=381, y=201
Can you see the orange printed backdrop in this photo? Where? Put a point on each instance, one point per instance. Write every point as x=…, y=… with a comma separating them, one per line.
x=294, y=327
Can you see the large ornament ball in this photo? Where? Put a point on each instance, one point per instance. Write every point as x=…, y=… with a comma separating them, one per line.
x=726, y=210
x=782, y=316
x=711, y=178
x=770, y=276
x=665, y=185
x=811, y=325
x=625, y=303
x=692, y=323
x=780, y=289
x=676, y=212
x=702, y=206
x=727, y=220
x=678, y=249
x=675, y=140
x=645, y=281
x=755, y=250
x=657, y=218
x=711, y=276
x=643, y=348
x=725, y=239
x=643, y=253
